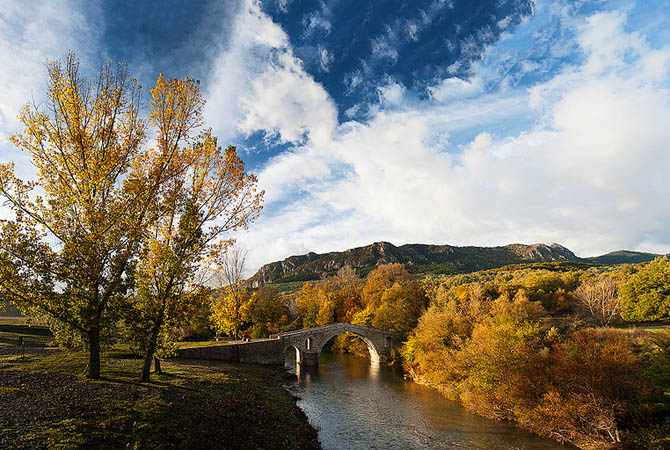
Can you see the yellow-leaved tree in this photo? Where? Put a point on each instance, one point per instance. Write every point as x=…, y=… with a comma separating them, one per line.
x=230, y=305
x=209, y=195
x=70, y=255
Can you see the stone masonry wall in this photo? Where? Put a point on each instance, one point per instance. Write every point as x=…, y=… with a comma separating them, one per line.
x=268, y=351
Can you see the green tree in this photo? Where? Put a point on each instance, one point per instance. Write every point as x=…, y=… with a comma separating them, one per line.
x=69, y=254
x=267, y=311
x=646, y=294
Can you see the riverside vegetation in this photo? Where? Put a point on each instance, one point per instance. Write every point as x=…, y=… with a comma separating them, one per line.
x=560, y=348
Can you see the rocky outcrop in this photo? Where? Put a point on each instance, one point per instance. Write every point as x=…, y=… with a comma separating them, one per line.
x=313, y=265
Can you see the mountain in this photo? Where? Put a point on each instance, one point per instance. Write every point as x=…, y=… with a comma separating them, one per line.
x=621, y=257
x=416, y=257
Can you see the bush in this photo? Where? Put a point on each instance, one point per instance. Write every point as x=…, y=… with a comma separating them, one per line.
x=646, y=294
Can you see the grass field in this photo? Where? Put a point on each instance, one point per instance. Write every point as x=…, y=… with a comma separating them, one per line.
x=12, y=328
x=191, y=344
x=46, y=403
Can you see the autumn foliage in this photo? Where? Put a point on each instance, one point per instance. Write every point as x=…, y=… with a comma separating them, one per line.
x=516, y=345
x=112, y=229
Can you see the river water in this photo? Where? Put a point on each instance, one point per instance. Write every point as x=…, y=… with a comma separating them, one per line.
x=358, y=405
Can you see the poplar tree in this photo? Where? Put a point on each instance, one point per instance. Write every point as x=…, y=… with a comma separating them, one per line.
x=209, y=196
x=70, y=254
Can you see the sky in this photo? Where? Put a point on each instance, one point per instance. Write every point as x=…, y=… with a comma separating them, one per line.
x=455, y=122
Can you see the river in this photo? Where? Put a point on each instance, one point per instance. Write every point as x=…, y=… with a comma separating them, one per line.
x=358, y=405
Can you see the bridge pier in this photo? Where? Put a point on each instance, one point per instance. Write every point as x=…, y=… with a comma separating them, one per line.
x=309, y=358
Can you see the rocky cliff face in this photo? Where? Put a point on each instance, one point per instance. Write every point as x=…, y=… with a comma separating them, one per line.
x=414, y=256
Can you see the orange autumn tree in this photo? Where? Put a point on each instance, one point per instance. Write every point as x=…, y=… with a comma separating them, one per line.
x=394, y=298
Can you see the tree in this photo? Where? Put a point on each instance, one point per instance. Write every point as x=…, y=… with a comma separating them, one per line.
x=599, y=297
x=309, y=299
x=348, y=286
x=230, y=309
x=210, y=195
x=646, y=294
x=383, y=278
x=394, y=297
x=69, y=254
x=399, y=309
x=326, y=313
x=267, y=311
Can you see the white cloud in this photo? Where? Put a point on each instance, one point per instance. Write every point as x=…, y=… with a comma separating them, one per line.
x=392, y=93
x=591, y=173
x=316, y=21
x=32, y=33
x=455, y=89
x=382, y=49
x=412, y=31
x=259, y=85
x=325, y=59
x=288, y=103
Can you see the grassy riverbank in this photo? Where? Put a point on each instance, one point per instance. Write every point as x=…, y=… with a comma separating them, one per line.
x=45, y=402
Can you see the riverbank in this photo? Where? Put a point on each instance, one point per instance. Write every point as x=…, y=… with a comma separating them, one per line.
x=46, y=402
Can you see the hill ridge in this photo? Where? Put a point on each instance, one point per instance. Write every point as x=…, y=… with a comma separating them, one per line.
x=436, y=257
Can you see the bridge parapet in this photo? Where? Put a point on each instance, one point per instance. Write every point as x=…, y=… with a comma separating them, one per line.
x=307, y=342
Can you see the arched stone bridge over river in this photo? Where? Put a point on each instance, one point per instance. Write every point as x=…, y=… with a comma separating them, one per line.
x=307, y=344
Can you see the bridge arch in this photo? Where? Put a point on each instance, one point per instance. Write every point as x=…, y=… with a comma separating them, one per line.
x=374, y=352
x=293, y=349
x=309, y=342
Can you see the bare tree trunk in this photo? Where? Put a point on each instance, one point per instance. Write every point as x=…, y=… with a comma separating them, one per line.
x=146, y=367
x=151, y=349
x=94, y=354
x=157, y=365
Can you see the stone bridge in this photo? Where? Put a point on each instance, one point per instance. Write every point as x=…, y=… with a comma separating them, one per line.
x=307, y=344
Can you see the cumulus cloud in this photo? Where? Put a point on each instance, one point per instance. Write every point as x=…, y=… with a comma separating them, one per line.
x=589, y=172
x=258, y=84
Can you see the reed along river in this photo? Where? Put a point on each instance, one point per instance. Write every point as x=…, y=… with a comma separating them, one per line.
x=358, y=405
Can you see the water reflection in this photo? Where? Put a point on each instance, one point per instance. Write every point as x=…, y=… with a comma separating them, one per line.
x=356, y=404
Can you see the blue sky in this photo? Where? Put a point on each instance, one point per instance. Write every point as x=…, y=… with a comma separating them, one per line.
x=435, y=121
